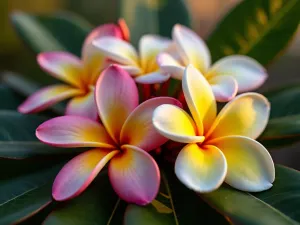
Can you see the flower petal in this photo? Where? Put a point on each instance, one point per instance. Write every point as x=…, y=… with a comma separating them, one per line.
x=73, y=131
x=152, y=78
x=250, y=166
x=169, y=65
x=150, y=45
x=83, y=106
x=192, y=48
x=200, y=98
x=117, y=50
x=124, y=29
x=63, y=66
x=202, y=169
x=47, y=97
x=132, y=70
x=246, y=115
x=93, y=59
x=248, y=73
x=116, y=97
x=78, y=173
x=224, y=88
x=138, y=129
x=174, y=123
x=134, y=175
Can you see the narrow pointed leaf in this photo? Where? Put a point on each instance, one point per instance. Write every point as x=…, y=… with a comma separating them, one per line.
x=64, y=31
x=277, y=206
x=259, y=29
x=23, y=196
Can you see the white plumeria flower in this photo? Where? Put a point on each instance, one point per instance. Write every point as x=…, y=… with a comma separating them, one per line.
x=227, y=77
x=140, y=64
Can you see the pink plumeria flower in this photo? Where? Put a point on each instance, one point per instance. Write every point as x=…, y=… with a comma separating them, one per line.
x=227, y=76
x=219, y=147
x=124, y=139
x=141, y=65
x=80, y=75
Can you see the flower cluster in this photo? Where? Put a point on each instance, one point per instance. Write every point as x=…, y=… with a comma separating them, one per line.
x=123, y=129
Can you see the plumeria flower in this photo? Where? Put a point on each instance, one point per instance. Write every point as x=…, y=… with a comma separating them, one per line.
x=80, y=75
x=219, y=147
x=141, y=65
x=227, y=76
x=124, y=140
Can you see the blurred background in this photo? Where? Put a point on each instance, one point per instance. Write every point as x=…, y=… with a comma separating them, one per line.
x=14, y=56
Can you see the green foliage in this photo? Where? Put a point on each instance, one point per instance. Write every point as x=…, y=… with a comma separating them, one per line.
x=260, y=29
x=277, y=206
x=8, y=98
x=155, y=17
x=59, y=32
x=283, y=127
x=17, y=139
x=25, y=195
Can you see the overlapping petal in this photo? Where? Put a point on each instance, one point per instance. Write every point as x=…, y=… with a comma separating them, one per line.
x=78, y=173
x=246, y=115
x=152, y=78
x=63, y=66
x=93, y=59
x=116, y=97
x=200, y=98
x=174, y=123
x=250, y=166
x=74, y=131
x=47, y=97
x=192, y=48
x=134, y=175
x=223, y=87
x=170, y=66
x=248, y=73
x=138, y=129
x=83, y=105
x=201, y=169
x=117, y=50
x=149, y=46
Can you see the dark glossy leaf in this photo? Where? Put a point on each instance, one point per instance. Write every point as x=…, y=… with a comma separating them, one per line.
x=283, y=127
x=23, y=196
x=17, y=137
x=157, y=15
x=277, y=206
x=258, y=28
x=281, y=131
x=59, y=32
x=8, y=98
x=174, y=205
x=96, y=205
x=284, y=101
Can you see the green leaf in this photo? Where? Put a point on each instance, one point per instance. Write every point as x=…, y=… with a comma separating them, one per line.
x=157, y=14
x=278, y=206
x=260, y=29
x=59, y=32
x=8, y=98
x=284, y=101
x=95, y=206
x=174, y=205
x=23, y=196
x=283, y=127
x=281, y=131
x=17, y=137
